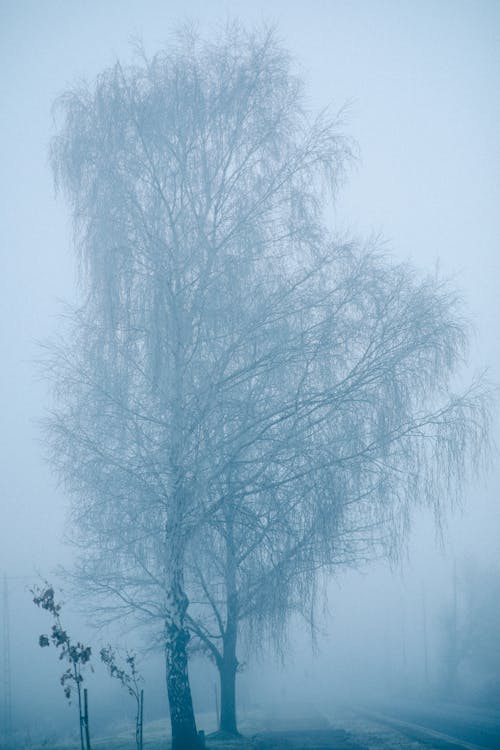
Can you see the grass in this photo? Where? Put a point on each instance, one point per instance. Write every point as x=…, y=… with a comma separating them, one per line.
x=304, y=729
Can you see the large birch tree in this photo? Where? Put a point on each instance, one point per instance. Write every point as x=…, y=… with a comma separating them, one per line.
x=188, y=175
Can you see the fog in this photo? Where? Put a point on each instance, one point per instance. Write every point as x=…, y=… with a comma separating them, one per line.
x=419, y=83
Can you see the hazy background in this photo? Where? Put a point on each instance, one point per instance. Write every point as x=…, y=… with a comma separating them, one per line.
x=422, y=83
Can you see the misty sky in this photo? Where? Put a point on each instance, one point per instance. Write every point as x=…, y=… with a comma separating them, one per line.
x=421, y=83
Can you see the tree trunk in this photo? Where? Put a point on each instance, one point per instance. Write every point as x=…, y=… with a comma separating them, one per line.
x=184, y=734
x=228, y=666
x=227, y=673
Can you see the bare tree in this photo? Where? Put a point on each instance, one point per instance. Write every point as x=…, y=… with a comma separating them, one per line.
x=469, y=622
x=76, y=655
x=131, y=680
x=333, y=449
x=241, y=401
x=188, y=176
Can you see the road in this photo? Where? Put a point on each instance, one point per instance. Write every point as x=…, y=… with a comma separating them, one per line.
x=409, y=725
x=401, y=725
x=467, y=725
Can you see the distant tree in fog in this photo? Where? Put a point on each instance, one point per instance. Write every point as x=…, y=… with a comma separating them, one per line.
x=470, y=627
x=242, y=400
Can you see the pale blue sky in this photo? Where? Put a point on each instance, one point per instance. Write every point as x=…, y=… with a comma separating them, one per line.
x=422, y=82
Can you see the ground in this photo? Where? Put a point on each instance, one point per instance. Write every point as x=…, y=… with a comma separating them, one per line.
x=306, y=728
